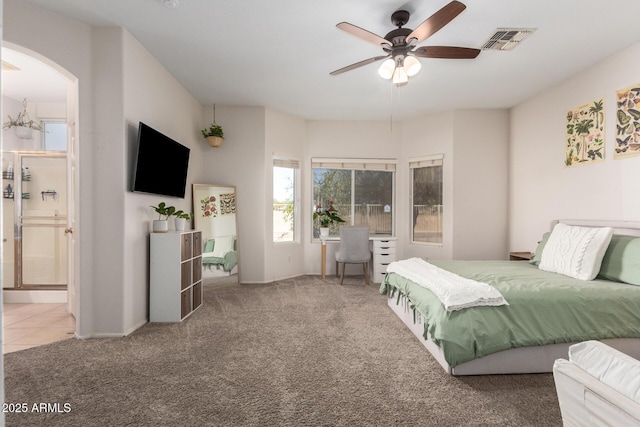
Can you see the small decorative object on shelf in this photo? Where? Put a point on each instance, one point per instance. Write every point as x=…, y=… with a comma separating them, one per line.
x=520, y=256
x=214, y=134
x=23, y=123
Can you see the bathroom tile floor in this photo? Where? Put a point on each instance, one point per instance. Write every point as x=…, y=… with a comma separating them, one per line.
x=32, y=325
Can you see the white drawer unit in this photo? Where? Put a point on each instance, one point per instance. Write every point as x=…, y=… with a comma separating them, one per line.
x=384, y=253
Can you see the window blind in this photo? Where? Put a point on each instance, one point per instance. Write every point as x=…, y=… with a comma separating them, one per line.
x=434, y=160
x=286, y=163
x=388, y=165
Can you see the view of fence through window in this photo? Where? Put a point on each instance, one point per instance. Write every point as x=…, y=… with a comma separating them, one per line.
x=283, y=204
x=361, y=197
x=427, y=203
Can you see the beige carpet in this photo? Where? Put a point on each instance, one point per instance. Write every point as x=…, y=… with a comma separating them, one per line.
x=298, y=352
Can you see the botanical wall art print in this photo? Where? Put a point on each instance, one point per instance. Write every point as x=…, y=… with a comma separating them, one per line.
x=627, y=122
x=227, y=203
x=208, y=207
x=585, y=134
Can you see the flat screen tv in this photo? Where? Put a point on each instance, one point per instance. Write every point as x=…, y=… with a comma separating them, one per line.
x=161, y=164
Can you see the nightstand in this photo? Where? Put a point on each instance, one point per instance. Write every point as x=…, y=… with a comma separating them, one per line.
x=520, y=256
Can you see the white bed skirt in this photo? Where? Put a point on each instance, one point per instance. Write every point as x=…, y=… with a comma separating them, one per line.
x=525, y=360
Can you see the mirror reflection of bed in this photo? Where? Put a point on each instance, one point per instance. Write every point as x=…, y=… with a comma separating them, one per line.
x=214, y=211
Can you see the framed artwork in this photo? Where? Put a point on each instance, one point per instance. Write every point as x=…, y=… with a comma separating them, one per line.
x=227, y=203
x=585, y=134
x=627, y=122
x=208, y=207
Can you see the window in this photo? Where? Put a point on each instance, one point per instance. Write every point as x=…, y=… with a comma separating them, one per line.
x=426, y=196
x=361, y=191
x=285, y=208
x=54, y=135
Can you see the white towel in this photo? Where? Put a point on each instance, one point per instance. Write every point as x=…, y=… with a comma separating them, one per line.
x=453, y=291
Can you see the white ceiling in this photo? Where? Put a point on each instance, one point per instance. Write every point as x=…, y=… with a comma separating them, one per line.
x=279, y=53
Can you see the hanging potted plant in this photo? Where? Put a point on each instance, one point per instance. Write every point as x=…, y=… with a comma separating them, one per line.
x=23, y=124
x=181, y=219
x=161, y=225
x=326, y=217
x=214, y=134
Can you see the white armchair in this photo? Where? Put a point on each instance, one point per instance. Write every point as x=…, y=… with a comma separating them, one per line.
x=598, y=386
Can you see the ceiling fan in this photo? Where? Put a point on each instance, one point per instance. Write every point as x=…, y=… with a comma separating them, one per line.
x=400, y=44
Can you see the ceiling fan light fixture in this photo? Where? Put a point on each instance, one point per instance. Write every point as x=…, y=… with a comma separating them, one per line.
x=412, y=66
x=387, y=68
x=400, y=76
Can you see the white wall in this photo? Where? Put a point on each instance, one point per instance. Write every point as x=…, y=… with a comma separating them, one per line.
x=152, y=95
x=240, y=162
x=480, y=171
x=541, y=188
x=284, y=137
x=433, y=134
x=31, y=28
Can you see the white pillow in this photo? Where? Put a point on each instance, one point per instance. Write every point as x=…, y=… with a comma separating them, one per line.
x=223, y=245
x=575, y=251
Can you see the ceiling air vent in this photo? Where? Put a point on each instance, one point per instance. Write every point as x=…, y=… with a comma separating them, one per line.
x=507, y=38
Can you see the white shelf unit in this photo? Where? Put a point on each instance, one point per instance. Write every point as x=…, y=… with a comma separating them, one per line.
x=175, y=275
x=384, y=253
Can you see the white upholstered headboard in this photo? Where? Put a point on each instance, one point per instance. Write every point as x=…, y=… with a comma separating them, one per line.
x=630, y=228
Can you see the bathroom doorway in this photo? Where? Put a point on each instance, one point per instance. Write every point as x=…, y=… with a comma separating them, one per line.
x=34, y=220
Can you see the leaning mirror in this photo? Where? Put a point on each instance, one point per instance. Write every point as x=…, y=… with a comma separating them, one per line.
x=214, y=211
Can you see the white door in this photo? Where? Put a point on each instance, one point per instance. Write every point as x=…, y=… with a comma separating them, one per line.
x=72, y=192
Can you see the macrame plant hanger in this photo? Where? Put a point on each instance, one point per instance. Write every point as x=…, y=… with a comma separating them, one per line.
x=215, y=140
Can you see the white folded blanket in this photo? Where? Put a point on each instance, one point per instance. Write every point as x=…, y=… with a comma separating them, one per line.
x=454, y=292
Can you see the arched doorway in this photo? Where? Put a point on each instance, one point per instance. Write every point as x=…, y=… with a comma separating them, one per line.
x=39, y=190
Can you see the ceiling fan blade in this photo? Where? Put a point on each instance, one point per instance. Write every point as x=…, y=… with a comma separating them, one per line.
x=436, y=21
x=359, y=64
x=362, y=33
x=447, y=52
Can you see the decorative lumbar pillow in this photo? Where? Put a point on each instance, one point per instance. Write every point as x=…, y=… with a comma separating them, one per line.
x=537, y=256
x=575, y=251
x=621, y=261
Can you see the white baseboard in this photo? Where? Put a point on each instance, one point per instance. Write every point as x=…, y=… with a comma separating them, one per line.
x=33, y=297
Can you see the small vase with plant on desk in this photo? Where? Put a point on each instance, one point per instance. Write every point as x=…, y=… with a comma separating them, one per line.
x=326, y=217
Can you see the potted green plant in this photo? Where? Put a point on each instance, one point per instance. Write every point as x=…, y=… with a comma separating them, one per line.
x=181, y=219
x=23, y=124
x=214, y=135
x=326, y=217
x=161, y=225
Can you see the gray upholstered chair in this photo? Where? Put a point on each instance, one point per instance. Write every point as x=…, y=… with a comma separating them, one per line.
x=354, y=249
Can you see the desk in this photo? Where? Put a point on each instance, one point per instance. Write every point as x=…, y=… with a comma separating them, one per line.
x=384, y=252
x=324, y=258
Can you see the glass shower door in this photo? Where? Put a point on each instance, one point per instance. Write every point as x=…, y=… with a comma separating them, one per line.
x=40, y=219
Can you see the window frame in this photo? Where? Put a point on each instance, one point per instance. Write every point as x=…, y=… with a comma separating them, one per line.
x=288, y=162
x=353, y=165
x=44, y=123
x=417, y=163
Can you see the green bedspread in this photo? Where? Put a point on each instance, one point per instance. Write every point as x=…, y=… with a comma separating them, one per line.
x=544, y=308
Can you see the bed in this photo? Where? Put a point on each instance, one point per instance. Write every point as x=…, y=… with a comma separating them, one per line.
x=546, y=311
x=220, y=257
